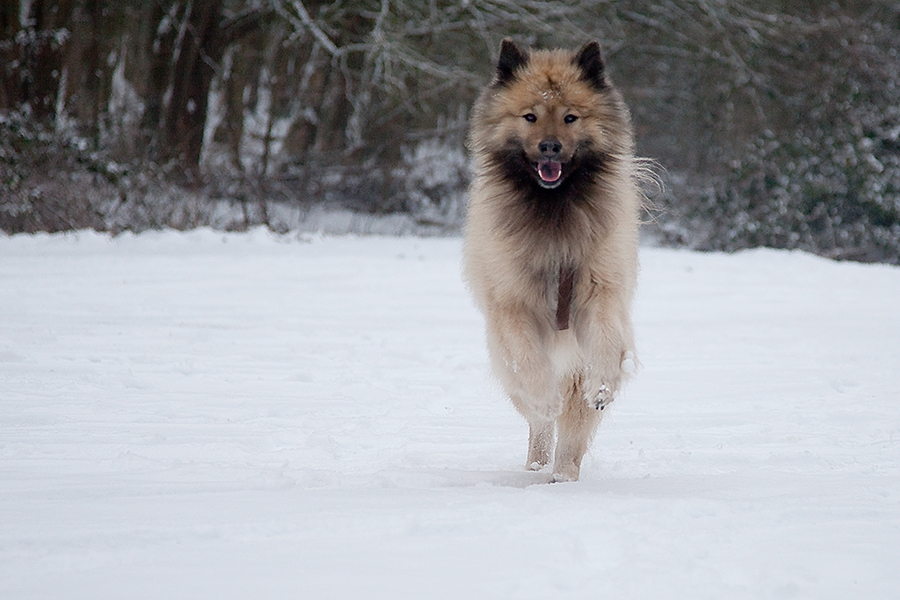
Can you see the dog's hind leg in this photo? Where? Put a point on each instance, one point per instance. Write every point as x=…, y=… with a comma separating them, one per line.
x=540, y=444
x=577, y=425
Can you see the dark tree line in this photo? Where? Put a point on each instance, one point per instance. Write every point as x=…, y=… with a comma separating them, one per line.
x=776, y=123
x=60, y=59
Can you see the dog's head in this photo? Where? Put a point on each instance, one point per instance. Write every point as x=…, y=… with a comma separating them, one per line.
x=547, y=111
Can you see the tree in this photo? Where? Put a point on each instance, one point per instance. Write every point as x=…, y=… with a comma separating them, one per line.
x=188, y=49
x=34, y=34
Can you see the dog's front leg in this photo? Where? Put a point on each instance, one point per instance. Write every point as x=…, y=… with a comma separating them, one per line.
x=607, y=341
x=517, y=342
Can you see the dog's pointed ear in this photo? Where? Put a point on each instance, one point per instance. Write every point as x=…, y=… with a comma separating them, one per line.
x=512, y=58
x=590, y=60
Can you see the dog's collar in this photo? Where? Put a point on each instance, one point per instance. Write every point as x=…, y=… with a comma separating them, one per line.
x=564, y=297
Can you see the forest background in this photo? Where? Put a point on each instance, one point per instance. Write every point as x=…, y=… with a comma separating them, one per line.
x=773, y=123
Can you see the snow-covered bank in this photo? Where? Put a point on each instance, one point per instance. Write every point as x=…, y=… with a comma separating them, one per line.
x=242, y=415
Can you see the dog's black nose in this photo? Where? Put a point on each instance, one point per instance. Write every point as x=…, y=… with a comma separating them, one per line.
x=550, y=148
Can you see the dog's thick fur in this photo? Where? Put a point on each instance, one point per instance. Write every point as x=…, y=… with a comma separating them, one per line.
x=554, y=203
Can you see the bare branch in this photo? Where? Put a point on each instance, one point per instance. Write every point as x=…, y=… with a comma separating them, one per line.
x=305, y=21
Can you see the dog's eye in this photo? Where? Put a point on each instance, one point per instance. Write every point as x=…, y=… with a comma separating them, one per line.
x=569, y=119
x=531, y=117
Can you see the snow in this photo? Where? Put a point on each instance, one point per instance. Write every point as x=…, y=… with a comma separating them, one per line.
x=208, y=415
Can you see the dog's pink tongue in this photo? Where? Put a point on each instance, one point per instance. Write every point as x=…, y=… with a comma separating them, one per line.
x=549, y=170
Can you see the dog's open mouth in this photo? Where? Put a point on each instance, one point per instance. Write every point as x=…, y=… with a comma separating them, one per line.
x=550, y=172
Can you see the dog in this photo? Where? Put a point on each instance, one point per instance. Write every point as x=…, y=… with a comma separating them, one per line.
x=551, y=242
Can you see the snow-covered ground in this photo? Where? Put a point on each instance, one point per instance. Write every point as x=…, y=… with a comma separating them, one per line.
x=210, y=415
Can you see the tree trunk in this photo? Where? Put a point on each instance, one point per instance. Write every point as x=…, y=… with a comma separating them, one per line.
x=198, y=51
x=9, y=76
x=31, y=63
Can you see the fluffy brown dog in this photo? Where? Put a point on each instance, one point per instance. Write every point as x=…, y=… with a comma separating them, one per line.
x=551, y=242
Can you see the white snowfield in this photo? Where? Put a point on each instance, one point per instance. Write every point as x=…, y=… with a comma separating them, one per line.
x=209, y=415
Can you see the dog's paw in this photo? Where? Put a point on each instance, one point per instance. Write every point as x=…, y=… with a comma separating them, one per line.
x=628, y=364
x=564, y=476
x=602, y=399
